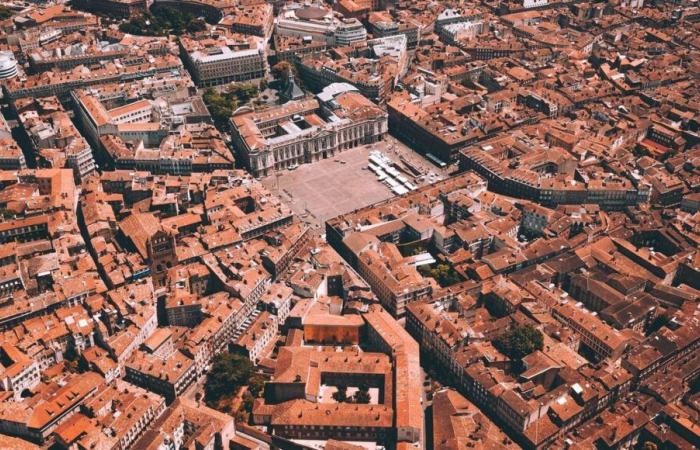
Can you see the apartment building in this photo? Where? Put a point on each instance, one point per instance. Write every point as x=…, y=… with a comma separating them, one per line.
x=36, y=422
x=121, y=8
x=453, y=26
x=11, y=156
x=607, y=190
x=161, y=134
x=393, y=280
x=167, y=377
x=289, y=48
x=115, y=417
x=284, y=246
x=58, y=17
x=388, y=336
x=602, y=339
x=8, y=65
x=373, y=67
x=61, y=83
x=256, y=19
x=258, y=337
x=293, y=408
x=17, y=371
x=383, y=24
x=278, y=301
x=65, y=58
x=54, y=138
x=219, y=57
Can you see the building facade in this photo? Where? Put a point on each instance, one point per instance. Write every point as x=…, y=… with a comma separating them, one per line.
x=308, y=130
x=222, y=58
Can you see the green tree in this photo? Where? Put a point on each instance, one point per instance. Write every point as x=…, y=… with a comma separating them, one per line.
x=246, y=408
x=443, y=274
x=520, y=342
x=196, y=25
x=418, y=250
x=222, y=105
x=256, y=384
x=281, y=70
x=496, y=306
x=341, y=395
x=5, y=12
x=362, y=395
x=242, y=92
x=162, y=21
x=248, y=401
x=228, y=373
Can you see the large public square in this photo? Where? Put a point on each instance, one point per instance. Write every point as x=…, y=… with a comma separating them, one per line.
x=335, y=186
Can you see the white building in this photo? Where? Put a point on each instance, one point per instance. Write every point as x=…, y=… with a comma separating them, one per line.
x=18, y=372
x=534, y=3
x=394, y=46
x=305, y=131
x=453, y=26
x=349, y=31
x=8, y=65
x=320, y=24
x=79, y=157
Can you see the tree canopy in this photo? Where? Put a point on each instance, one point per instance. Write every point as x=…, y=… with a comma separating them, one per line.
x=520, y=342
x=496, y=306
x=341, y=395
x=229, y=372
x=362, y=395
x=5, y=12
x=162, y=21
x=282, y=69
x=443, y=274
x=222, y=105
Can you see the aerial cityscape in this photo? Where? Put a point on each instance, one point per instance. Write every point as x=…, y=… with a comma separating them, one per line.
x=349, y=224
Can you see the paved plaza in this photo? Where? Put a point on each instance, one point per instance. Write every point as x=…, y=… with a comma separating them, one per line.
x=329, y=188
x=338, y=185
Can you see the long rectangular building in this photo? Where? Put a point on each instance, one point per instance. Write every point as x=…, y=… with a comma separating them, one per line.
x=60, y=83
x=220, y=57
x=307, y=130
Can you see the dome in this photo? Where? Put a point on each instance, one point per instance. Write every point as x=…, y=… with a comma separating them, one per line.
x=311, y=13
